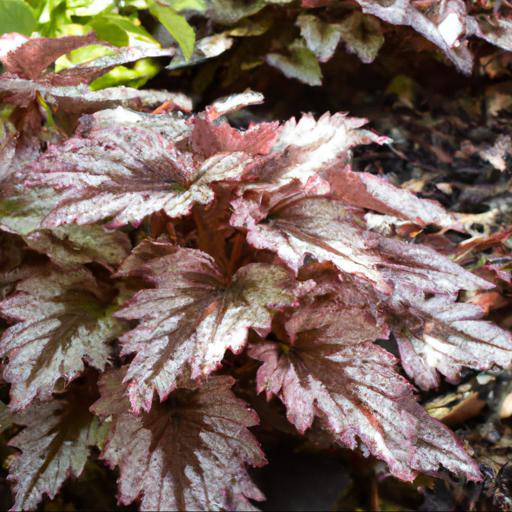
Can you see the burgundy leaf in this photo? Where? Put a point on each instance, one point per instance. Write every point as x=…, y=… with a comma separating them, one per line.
x=188, y=453
x=368, y=191
x=209, y=138
x=30, y=59
x=440, y=335
x=66, y=90
x=446, y=24
x=54, y=446
x=79, y=99
x=192, y=315
x=330, y=370
x=446, y=37
x=60, y=322
x=309, y=150
x=9, y=42
x=127, y=174
x=294, y=226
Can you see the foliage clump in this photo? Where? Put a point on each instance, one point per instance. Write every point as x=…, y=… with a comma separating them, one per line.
x=160, y=269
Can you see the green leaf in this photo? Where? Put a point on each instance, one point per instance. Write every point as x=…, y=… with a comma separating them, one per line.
x=16, y=16
x=107, y=31
x=136, y=76
x=52, y=16
x=87, y=7
x=177, y=26
x=229, y=12
x=120, y=30
x=300, y=64
x=187, y=5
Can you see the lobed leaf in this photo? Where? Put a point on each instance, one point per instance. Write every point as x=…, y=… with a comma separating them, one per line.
x=311, y=151
x=362, y=35
x=330, y=370
x=300, y=64
x=369, y=191
x=294, y=226
x=439, y=335
x=192, y=315
x=22, y=212
x=127, y=174
x=31, y=58
x=404, y=12
x=188, y=453
x=54, y=445
x=61, y=322
x=321, y=38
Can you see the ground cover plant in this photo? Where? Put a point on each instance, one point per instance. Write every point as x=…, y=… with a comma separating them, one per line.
x=185, y=284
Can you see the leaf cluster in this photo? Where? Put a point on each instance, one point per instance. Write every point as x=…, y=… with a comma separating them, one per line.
x=156, y=262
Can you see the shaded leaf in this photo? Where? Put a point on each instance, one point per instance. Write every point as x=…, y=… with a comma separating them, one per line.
x=22, y=212
x=329, y=369
x=362, y=35
x=206, y=48
x=404, y=12
x=188, y=453
x=300, y=64
x=75, y=245
x=321, y=38
x=6, y=417
x=176, y=24
x=228, y=12
x=54, y=445
x=61, y=322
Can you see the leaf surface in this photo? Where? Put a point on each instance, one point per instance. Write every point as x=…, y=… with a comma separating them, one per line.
x=192, y=315
x=369, y=191
x=80, y=99
x=17, y=16
x=300, y=64
x=188, y=453
x=54, y=446
x=30, y=59
x=60, y=323
x=362, y=35
x=404, y=12
x=311, y=150
x=321, y=38
x=330, y=369
x=127, y=174
x=23, y=210
x=439, y=335
x=177, y=25
x=294, y=226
